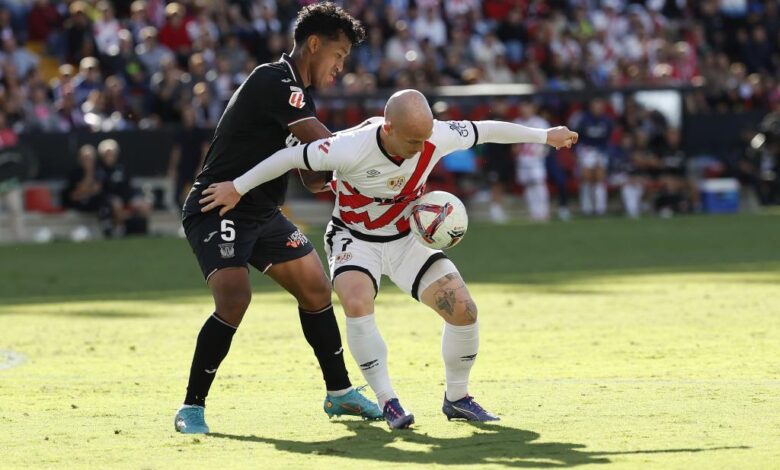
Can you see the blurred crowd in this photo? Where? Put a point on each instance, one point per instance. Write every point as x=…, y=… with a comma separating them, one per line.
x=118, y=65
x=127, y=64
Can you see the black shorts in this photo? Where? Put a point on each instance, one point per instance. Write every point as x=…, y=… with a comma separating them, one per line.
x=223, y=242
x=500, y=168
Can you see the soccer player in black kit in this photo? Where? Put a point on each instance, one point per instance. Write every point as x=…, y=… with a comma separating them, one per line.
x=272, y=109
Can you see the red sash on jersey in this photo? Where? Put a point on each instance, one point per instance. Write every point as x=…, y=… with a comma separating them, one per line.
x=407, y=192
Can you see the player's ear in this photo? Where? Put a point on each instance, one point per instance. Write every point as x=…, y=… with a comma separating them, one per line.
x=314, y=43
x=387, y=127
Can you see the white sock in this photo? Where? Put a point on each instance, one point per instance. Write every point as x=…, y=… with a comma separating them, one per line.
x=586, y=198
x=632, y=197
x=538, y=201
x=459, y=346
x=370, y=352
x=600, y=191
x=339, y=393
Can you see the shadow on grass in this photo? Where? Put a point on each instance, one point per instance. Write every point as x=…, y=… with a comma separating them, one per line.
x=490, y=444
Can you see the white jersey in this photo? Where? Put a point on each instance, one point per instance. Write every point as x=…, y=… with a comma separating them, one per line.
x=530, y=157
x=375, y=190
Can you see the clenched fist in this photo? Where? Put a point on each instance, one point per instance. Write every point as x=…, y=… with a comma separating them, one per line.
x=561, y=136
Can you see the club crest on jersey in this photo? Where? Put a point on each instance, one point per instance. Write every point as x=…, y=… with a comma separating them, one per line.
x=226, y=250
x=396, y=183
x=343, y=257
x=296, y=98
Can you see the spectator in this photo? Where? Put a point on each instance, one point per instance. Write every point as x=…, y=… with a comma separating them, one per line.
x=173, y=34
x=83, y=189
x=431, y=27
x=88, y=79
x=151, y=54
x=595, y=129
x=10, y=187
x=42, y=21
x=78, y=33
x=39, y=113
x=187, y=154
x=531, y=169
x=106, y=28
x=129, y=209
x=23, y=60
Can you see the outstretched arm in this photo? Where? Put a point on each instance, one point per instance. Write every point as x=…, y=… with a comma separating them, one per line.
x=500, y=132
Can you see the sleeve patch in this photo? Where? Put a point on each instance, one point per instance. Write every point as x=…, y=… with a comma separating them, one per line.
x=459, y=127
x=296, y=98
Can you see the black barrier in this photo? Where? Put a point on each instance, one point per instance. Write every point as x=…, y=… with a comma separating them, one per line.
x=144, y=153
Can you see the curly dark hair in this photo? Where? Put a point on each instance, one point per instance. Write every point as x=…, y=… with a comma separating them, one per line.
x=327, y=19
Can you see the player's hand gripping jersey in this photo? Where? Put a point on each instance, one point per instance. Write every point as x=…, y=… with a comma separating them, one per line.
x=375, y=190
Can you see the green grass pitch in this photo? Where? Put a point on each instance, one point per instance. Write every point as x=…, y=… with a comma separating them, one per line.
x=650, y=344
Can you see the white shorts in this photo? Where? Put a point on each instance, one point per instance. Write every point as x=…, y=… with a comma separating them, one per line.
x=590, y=157
x=409, y=264
x=531, y=172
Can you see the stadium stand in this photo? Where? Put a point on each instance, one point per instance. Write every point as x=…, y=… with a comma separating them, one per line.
x=77, y=67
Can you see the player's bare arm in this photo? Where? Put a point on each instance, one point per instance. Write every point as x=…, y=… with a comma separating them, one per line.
x=307, y=131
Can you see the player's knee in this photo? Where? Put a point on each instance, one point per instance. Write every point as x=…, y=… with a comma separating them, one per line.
x=358, y=306
x=465, y=313
x=315, y=297
x=234, y=303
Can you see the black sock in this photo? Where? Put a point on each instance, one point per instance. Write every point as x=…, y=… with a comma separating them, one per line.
x=212, y=347
x=322, y=333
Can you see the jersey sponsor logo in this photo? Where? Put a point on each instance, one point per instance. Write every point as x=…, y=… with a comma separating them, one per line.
x=343, y=257
x=460, y=128
x=325, y=147
x=296, y=239
x=210, y=236
x=226, y=250
x=296, y=98
x=396, y=183
x=373, y=173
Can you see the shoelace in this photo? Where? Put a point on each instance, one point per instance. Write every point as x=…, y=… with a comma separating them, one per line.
x=390, y=407
x=473, y=405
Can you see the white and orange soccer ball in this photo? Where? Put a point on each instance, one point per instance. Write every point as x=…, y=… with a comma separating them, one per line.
x=439, y=220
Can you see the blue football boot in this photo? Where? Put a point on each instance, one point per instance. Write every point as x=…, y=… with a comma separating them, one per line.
x=466, y=408
x=352, y=404
x=395, y=415
x=191, y=420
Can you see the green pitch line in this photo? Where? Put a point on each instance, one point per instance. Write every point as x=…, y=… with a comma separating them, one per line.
x=649, y=344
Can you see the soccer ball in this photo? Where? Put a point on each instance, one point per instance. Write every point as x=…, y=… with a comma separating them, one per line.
x=439, y=220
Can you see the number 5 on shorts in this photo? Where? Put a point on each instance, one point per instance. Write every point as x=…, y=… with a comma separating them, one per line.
x=228, y=232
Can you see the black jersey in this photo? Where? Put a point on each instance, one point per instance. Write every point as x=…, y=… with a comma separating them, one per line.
x=255, y=124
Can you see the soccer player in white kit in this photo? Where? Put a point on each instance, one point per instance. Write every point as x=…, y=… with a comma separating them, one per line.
x=531, y=170
x=380, y=170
